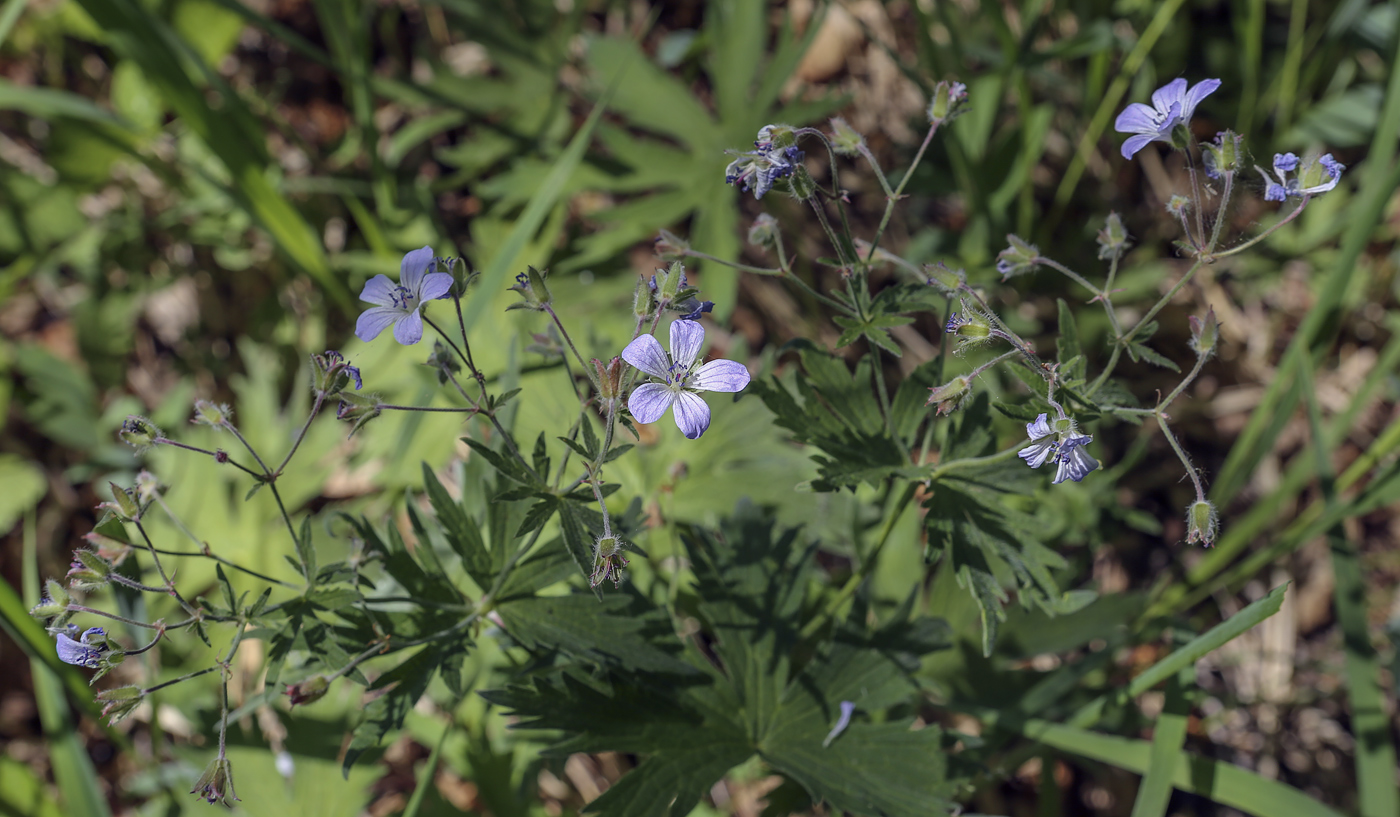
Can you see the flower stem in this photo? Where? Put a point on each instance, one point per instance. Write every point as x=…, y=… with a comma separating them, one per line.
x=894, y=197
x=1238, y=248
x=198, y=450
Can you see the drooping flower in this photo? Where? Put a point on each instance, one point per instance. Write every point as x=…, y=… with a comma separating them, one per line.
x=216, y=784
x=1313, y=177
x=681, y=380
x=79, y=650
x=760, y=168
x=398, y=305
x=1058, y=445
x=1172, y=107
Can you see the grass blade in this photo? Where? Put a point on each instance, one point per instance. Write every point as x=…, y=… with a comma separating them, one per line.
x=1156, y=790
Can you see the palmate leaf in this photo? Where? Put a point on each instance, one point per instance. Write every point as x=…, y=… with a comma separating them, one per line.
x=747, y=699
x=612, y=631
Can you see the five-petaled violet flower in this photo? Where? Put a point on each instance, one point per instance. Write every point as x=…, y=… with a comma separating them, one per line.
x=1060, y=446
x=79, y=650
x=680, y=379
x=1172, y=106
x=1313, y=177
x=399, y=304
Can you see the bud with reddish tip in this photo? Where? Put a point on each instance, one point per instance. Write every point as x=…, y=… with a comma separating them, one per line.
x=309, y=691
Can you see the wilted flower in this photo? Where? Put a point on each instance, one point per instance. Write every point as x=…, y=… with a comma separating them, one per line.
x=138, y=432
x=970, y=325
x=775, y=157
x=680, y=379
x=1224, y=155
x=119, y=702
x=608, y=560
x=1202, y=524
x=79, y=650
x=1059, y=445
x=532, y=287
x=946, y=102
x=1113, y=238
x=1172, y=107
x=334, y=373
x=309, y=691
x=216, y=784
x=1314, y=177
x=951, y=395
x=1018, y=258
x=398, y=305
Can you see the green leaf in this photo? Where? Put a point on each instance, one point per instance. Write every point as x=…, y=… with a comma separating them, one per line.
x=1156, y=789
x=1068, y=345
x=25, y=485
x=406, y=684
x=540, y=456
x=1138, y=351
x=591, y=445
x=306, y=551
x=547, y=565
x=461, y=531
x=504, y=465
x=910, y=405
x=578, y=535
x=614, y=630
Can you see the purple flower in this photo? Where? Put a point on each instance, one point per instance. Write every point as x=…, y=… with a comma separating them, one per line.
x=758, y=169
x=1063, y=448
x=80, y=651
x=680, y=379
x=847, y=707
x=399, y=305
x=1172, y=106
x=1313, y=177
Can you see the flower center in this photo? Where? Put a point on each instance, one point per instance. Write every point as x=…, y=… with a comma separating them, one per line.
x=676, y=376
x=402, y=296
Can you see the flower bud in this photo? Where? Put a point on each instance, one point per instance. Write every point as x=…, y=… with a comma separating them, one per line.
x=1204, y=332
x=309, y=691
x=139, y=433
x=949, y=281
x=358, y=409
x=803, y=186
x=124, y=504
x=609, y=382
x=644, y=299
x=608, y=561
x=54, y=603
x=671, y=282
x=764, y=232
x=216, y=784
x=444, y=362
x=146, y=486
x=88, y=571
x=951, y=395
x=1017, y=259
x=1224, y=155
x=1113, y=238
x=671, y=247
x=947, y=101
x=1202, y=524
x=108, y=548
x=332, y=373
x=211, y=414
x=120, y=702
x=533, y=289
x=844, y=139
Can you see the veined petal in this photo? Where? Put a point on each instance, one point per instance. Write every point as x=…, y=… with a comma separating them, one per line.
x=1074, y=462
x=1198, y=92
x=409, y=330
x=1039, y=428
x=378, y=291
x=686, y=339
x=1137, y=118
x=434, y=285
x=1136, y=143
x=373, y=321
x=645, y=353
x=1037, y=453
x=692, y=414
x=649, y=401
x=413, y=266
x=720, y=375
x=79, y=654
x=1172, y=92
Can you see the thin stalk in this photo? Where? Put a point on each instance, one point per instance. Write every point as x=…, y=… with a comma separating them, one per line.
x=155, y=557
x=198, y=450
x=1255, y=240
x=301, y=433
x=1186, y=461
x=894, y=197
x=1222, y=211
x=182, y=679
x=449, y=409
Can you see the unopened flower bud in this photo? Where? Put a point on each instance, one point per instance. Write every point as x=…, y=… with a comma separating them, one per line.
x=357, y=409
x=220, y=456
x=1202, y=525
x=211, y=414
x=803, y=186
x=951, y=395
x=533, y=290
x=1018, y=258
x=444, y=362
x=764, y=232
x=54, y=603
x=88, y=571
x=609, y=382
x=119, y=702
x=671, y=247
x=124, y=503
x=309, y=691
x=139, y=433
x=844, y=139
x=332, y=373
x=146, y=486
x=1224, y=155
x=949, y=281
x=947, y=101
x=670, y=282
x=608, y=561
x=1113, y=238
x=1204, y=332
x=644, y=299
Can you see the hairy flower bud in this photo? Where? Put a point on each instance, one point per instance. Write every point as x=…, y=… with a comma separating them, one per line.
x=1178, y=205
x=120, y=702
x=671, y=247
x=1018, y=258
x=1113, y=238
x=139, y=433
x=358, y=409
x=608, y=561
x=949, y=281
x=1202, y=525
x=444, y=362
x=54, y=603
x=970, y=325
x=124, y=504
x=216, y=784
x=533, y=290
x=951, y=395
x=764, y=232
x=211, y=414
x=844, y=139
x=309, y=691
x=1224, y=155
x=88, y=571
x=609, y=383
x=946, y=102
x=1204, y=333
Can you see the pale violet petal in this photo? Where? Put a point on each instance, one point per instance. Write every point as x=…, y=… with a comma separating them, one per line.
x=847, y=707
x=649, y=401
x=1074, y=462
x=409, y=330
x=413, y=266
x=1038, y=429
x=1037, y=453
x=1137, y=118
x=1198, y=92
x=686, y=339
x=379, y=291
x=373, y=321
x=692, y=414
x=1136, y=143
x=76, y=653
x=720, y=375
x=434, y=285
x=645, y=353
x=1173, y=93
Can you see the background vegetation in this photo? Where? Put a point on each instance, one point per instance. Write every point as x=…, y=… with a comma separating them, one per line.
x=192, y=193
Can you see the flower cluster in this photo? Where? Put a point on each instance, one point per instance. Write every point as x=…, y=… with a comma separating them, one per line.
x=758, y=169
x=1308, y=178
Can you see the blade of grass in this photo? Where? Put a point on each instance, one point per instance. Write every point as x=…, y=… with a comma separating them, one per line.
x=1377, y=794
x=425, y=778
x=1156, y=790
x=1224, y=783
x=1249, y=29
x=9, y=15
x=77, y=780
